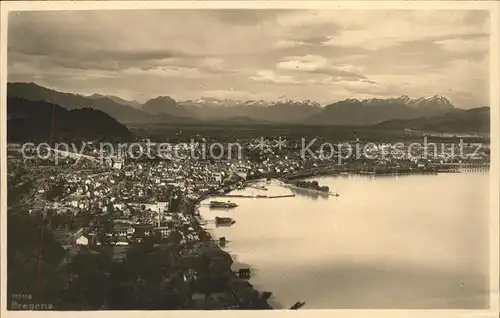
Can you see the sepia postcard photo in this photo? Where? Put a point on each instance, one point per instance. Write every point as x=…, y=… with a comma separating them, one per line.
x=276, y=156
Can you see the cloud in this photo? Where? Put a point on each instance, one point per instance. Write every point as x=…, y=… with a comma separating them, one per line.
x=465, y=45
x=214, y=66
x=306, y=63
x=231, y=94
x=307, y=54
x=173, y=71
x=392, y=28
x=321, y=65
x=270, y=76
x=247, y=17
x=285, y=44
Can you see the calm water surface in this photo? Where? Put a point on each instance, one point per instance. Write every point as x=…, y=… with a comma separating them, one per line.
x=416, y=241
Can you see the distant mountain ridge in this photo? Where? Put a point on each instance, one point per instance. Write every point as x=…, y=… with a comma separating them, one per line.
x=458, y=121
x=372, y=111
x=164, y=109
x=117, y=99
x=205, y=101
x=121, y=112
x=281, y=111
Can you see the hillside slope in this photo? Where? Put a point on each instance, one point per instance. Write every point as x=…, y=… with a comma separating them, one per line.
x=32, y=121
x=472, y=120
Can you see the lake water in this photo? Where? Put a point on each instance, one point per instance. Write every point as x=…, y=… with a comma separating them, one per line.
x=418, y=241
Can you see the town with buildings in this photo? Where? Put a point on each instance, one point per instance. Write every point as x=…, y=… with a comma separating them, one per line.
x=121, y=204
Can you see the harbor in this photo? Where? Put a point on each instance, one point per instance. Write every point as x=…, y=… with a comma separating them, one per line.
x=219, y=220
x=345, y=250
x=222, y=219
x=259, y=190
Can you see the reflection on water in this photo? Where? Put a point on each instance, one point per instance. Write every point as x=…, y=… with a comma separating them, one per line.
x=417, y=241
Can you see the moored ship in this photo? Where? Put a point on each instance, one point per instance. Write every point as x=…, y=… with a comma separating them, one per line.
x=224, y=221
x=222, y=205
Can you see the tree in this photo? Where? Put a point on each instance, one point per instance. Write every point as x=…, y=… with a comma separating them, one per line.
x=175, y=237
x=110, y=208
x=24, y=274
x=146, y=279
x=88, y=288
x=105, y=228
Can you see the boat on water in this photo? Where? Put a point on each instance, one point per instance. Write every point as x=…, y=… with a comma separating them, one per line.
x=222, y=205
x=224, y=221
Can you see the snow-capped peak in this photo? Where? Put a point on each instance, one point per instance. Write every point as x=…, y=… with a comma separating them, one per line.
x=433, y=100
x=404, y=98
x=438, y=99
x=246, y=103
x=306, y=102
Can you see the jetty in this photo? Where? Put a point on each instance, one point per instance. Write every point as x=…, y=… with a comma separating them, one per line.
x=291, y=186
x=259, y=196
x=460, y=167
x=258, y=187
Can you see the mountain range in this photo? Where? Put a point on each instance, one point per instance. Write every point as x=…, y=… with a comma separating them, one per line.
x=110, y=105
x=458, y=121
x=374, y=110
x=164, y=109
x=281, y=111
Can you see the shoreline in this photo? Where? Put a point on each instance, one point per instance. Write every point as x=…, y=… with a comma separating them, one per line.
x=356, y=170
x=268, y=303
x=262, y=303
x=361, y=173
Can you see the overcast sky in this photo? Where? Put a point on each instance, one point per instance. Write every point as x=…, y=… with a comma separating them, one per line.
x=248, y=54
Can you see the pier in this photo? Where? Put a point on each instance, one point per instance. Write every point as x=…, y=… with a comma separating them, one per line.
x=291, y=186
x=251, y=185
x=218, y=222
x=259, y=196
x=461, y=167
